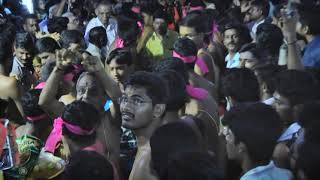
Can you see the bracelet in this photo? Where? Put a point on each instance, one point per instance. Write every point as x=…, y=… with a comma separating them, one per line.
x=291, y=43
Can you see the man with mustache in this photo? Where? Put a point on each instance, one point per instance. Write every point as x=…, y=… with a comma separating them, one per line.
x=142, y=108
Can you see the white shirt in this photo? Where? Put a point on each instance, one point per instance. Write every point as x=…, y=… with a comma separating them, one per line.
x=254, y=28
x=111, y=29
x=234, y=62
x=292, y=130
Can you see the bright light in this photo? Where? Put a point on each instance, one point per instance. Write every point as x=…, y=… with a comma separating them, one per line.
x=29, y=5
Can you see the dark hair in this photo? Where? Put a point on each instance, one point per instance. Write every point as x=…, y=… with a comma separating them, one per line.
x=194, y=20
x=96, y=34
x=29, y=102
x=46, y=70
x=242, y=30
x=297, y=86
x=105, y=2
x=121, y=56
x=308, y=119
x=177, y=95
x=24, y=41
x=84, y=115
x=266, y=74
x=88, y=165
x=71, y=36
x=258, y=126
x=186, y=47
x=149, y=7
x=5, y=50
x=263, y=5
x=128, y=30
x=57, y=24
x=309, y=16
x=46, y=44
x=270, y=37
x=259, y=53
x=169, y=139
x=155, y=86
x=193, y=165
x=172, y=64
x=241, y=85
x=29, y=16
x=309, y=159
x=161, y=14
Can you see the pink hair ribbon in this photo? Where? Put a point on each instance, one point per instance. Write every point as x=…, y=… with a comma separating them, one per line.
x=190, y=59
x=40, y=85
x=37, y=118
x=196, y=8
x=202, y=65
x=56, y=134
x=119, y=43
x=197, y=93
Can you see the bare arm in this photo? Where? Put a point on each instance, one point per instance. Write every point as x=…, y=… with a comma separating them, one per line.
x=57, y=12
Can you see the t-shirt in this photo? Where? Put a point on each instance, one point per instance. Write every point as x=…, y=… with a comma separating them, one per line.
x=311, y=56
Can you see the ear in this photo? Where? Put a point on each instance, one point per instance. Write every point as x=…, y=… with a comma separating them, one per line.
x=159, y=110
x=264, y=88
x=96, y=11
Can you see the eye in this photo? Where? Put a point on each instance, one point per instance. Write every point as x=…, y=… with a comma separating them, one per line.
x=137, y=101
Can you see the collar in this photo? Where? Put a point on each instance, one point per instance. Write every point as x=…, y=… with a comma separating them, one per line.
x=18, y=61
x=93, y=47
x=290, y=132
x=235, y=57
x=258, y=170
x=112, y=24
x=154, y=35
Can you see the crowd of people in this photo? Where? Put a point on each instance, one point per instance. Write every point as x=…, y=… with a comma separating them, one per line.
x=160, y=90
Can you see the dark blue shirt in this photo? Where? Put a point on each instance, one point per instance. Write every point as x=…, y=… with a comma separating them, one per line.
x=311, y=56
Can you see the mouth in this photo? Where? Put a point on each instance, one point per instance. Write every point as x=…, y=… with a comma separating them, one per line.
x=127, y=116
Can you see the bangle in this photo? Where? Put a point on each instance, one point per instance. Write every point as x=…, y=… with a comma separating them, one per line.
x=291, y=43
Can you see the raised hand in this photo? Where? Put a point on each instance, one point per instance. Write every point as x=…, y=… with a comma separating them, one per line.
x=91, y=63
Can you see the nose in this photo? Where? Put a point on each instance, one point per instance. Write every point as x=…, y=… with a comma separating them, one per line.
x=125, y=107
x=24, y=56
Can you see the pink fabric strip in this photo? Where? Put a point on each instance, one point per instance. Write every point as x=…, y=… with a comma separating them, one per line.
x=135, y=9
x=68, y=77
x=196, y=8
x=56, y=134
x=119, y=43
x=36, y=118
x=197, y=93
x=185, y=59
x=215, y=27
x=202, y=65
x=96, y=147
x=140, y=26
x=40, y=85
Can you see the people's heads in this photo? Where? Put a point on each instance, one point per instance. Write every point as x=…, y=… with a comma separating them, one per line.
x=259, y=9
x=90, y=90
x=147, y=9
x=128, y=31
x=308, y=161
x=30, y=23
x=98, y=36
x=276, y=15
x=23, y=48
x=74, y=21
x=160, y=20
x=143, y=101
x=72, y=39
x=86, y=117
x=193, y=27
x=88, y=165
x=269, y=37
x=57, y=24
x=266, y=77
x=251, y=132
x=31, y=108
x=185, y=47
x=169, y=139
x=118, y=64
x=5, y=53
x=251, y=56
x=308, y=20
x=240, y=85
x=104, y=11
x=292, y=88
x=45, y=49
x=234, y=36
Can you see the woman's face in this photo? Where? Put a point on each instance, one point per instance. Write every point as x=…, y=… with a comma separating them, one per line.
x=41, y=4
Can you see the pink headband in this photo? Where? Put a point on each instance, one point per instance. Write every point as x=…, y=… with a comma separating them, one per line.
x=197, y=93
x=119, y=43
x=69, y=76
x=196, y=8
x=190, y=59
x=56, y=134
x=135, y=9
x=40, y=85
x=36, y=118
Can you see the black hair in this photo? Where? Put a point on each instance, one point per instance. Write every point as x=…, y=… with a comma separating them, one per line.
x=263, y=5
x=186, y=47
x=266, y=74
x=161, y=14
x=57, y=24
x=194, y=20
x=24, y=41
x=128, y=30
x=46, y=70
x=29, y=102
x=149, y=7
x=84, y=115
x=193, y=165
x=29, y=16
x=309, y=16
x=177, y=95
x=298, y=86
x=172, y=64
x=154, y=85
x=46, y=44
x=241, y=85
x=261, y=54
x=242, y=30
x=270, y=37
x=308, y=119
x=5, y=50
x=277, y=11
x=71, y=36
x=105, y=2
x=169, y=139
x=309, y=160
x=121, y=56
x=96, y=35
x=88, y=165
x=258, y=126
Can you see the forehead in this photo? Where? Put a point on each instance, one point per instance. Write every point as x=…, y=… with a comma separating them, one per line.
x=186, y=30
x=113, y=63
x=21, y=50
x=230, y=32
x=135, y=91
x=103, y=8
x=31, y=21
x=87, y=80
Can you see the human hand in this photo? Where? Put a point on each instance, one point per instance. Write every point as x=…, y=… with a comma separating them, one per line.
x=91, y=63
x=289, y=19
x=65, y=58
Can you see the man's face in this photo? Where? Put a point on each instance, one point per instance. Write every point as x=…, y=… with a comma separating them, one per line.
x=31, y=26
x=74, y=23
x=23, y=55
x=283, y=108
x=90, y=91
x=255, y=13
x=248, y=60
x=118, y=72
x=231, y=40
x=136, y=108
x=45, y=56
x=104, y=12
x=232, y=149
x=160, y=26
x=191, y=33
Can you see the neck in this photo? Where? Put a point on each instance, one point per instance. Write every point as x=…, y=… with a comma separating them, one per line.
x=247, y=164
x=232, y=54
x=144, y=134
x=309, y=37
x=170, y=116
x=260, y=19
x=265, y=96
